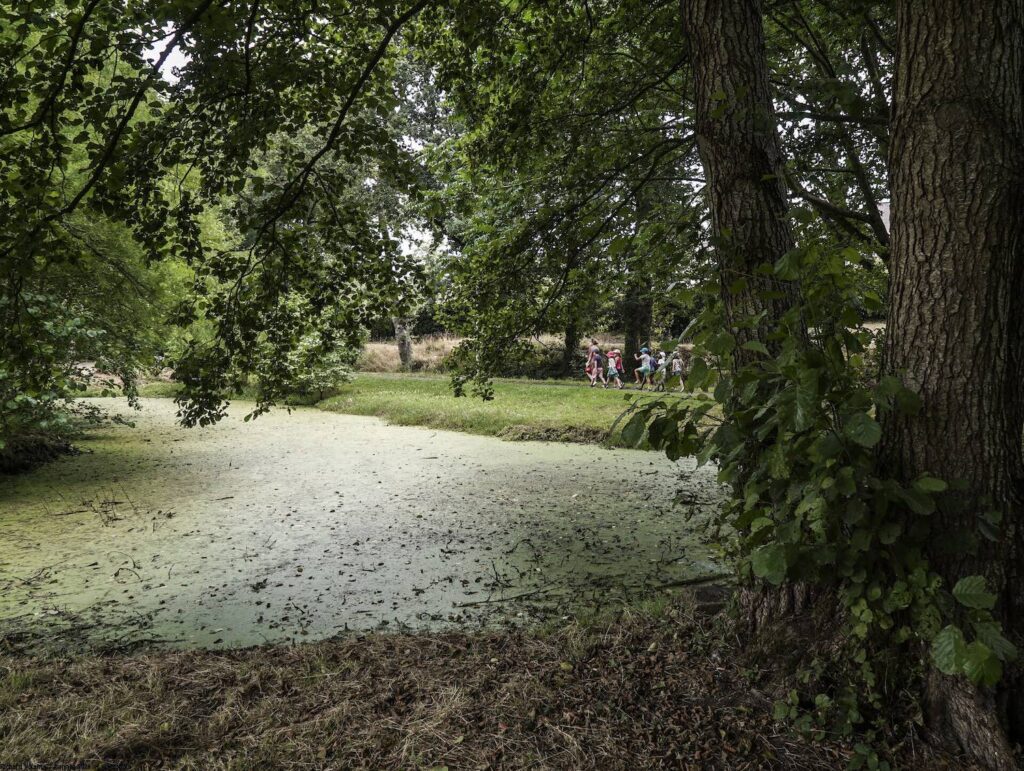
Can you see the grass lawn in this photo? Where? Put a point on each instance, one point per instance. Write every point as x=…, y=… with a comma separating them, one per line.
x=550, y=410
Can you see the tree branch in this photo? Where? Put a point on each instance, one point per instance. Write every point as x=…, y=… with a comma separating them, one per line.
x=841, y=216
x=295, y=186
x=47, y=104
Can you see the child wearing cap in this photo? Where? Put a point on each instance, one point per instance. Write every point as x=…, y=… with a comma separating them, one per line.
x=643, y=372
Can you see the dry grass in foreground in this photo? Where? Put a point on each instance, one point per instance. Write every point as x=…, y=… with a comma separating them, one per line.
x=644, y=691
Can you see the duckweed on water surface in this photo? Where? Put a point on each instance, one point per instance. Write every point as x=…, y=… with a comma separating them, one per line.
x=304, y=525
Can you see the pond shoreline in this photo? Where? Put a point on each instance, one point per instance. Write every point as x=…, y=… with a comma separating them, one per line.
x=306, y=525
x=521, y=410
x=660, y=679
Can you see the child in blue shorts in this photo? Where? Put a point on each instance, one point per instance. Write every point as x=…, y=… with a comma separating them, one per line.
x=643, y=372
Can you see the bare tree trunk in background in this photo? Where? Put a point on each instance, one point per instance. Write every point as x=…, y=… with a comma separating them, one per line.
x=638, y=304
x=956, y=321
x=403, y=337
x=637, y=315
x=739, y=149
x=570, y=347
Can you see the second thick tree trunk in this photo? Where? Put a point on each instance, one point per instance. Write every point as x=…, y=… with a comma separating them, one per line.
x=956, y=322
x=740, y=152
x=742, y=160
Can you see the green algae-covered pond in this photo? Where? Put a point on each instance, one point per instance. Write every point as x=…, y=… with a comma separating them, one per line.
x=305, y=525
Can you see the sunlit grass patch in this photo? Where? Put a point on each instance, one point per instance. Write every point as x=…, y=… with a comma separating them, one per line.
x=563, y=411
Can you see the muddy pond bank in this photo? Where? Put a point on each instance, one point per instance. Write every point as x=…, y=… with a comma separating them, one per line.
x=301, y=526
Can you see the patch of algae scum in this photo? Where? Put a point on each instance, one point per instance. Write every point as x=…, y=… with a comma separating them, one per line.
x=305, y=525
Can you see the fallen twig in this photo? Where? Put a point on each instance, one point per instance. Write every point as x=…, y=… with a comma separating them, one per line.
x=502, y=599
x=696, y=581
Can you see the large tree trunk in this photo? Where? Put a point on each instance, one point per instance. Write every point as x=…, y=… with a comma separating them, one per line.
x=403, y=337
x=740, y=152
x=956, y=322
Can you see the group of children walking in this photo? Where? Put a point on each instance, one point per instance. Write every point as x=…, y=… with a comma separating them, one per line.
x=653, y=369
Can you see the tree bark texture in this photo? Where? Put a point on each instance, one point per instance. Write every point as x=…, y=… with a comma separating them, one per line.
x=740, y=152
x=956, y=321
x=403, y=337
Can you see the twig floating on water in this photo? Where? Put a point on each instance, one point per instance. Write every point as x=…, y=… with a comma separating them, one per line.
x=502, y=599
x=694, y=581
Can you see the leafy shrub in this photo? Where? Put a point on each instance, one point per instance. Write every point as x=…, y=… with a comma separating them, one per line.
x=320, y=374
x=525, y=359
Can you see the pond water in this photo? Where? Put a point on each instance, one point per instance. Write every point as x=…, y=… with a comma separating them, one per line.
x=305, y=525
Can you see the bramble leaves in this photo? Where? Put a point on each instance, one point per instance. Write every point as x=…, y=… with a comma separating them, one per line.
x=981, y=665
x=982, y=659
x=930, y=485
x=991, y=633
x=807, y=400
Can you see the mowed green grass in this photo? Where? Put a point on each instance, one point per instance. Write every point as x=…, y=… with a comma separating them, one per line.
x=555, y=410
x=522, y=409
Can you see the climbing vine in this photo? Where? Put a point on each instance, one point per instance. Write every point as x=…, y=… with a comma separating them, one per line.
x=792, y=418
